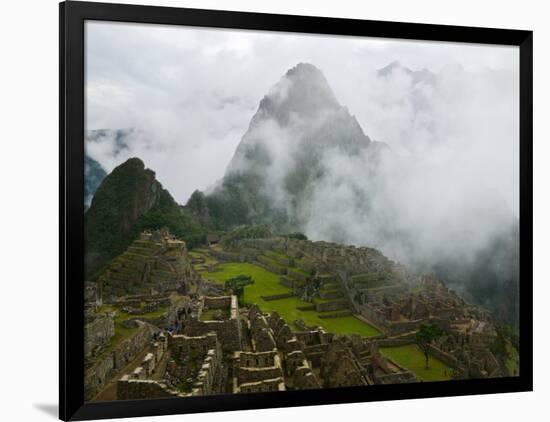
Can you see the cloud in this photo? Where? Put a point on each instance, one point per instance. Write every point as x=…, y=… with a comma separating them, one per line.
x=190, y=94
x=446, y=188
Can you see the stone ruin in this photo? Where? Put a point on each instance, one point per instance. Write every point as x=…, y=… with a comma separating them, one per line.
x=153, y=263
x=363, y=282
x=170, y=369
x=206, y=344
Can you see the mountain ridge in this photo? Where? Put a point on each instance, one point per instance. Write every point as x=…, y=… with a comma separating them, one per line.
x=305, y=165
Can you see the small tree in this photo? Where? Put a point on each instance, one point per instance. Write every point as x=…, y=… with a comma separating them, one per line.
x=425, y=335
x=237, y=284
x=297, y=235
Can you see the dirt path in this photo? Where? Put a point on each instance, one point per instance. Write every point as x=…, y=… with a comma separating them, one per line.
x=109, y=391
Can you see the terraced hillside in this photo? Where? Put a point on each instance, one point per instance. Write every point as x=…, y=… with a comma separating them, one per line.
x=153, y=263
x=282, y=285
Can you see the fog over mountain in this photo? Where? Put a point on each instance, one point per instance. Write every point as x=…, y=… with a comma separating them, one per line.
x=93, y=176
x=384, y=143
x=308, y=163
x=190, y=94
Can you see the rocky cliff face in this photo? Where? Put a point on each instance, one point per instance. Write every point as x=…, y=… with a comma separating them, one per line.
x=282, y=154
x=306, y=165
x=126, y=194
x=299, y=117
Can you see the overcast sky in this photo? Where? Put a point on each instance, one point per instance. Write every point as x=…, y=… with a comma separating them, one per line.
x=191, y=93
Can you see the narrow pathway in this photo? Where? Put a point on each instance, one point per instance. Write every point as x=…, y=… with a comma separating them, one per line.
x=109, y=391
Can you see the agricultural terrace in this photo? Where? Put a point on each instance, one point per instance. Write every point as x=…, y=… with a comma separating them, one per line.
x=267, y=283
x=412, y=358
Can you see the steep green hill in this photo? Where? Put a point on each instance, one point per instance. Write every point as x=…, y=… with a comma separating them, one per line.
x=128, y=201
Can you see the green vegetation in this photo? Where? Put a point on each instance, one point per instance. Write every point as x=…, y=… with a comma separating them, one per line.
x=349, y=325
x=412, y=358
x=505, y=347
x=122, y=332
x=267, y=283
x=247, y=232
x=297, y=271
x=266, y=260
x=128, y=201
x=512, y=360
x=297, y=235
x=208, y=260
x=180, y=222
x=277, y=254
x=237, y=284
x=380, y=288
x=424, y=337
x=369, y=280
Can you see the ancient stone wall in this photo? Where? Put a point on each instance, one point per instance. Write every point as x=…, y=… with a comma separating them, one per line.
x=404, y=377
x=228, y=331
x=334, y=305
x=97, y=375
x=276, y=384
x=256, y=367
x=220, y=302
x=104, y=368
x=222, y=255
x=305, y=379
x=260, y=333
x=128, y=349
x=206, y=349
x=153, y=263
x=309, y=338
x=193, y=346
x=246, y=375
x=98, y=333
x=287, y=282
x=393, y=342
x=446, y=358
x=349, y=258
x=375, y=317
x=268, y=264
x=136, y=389
x=278, y=296
x=397, y=328
x=209, y=377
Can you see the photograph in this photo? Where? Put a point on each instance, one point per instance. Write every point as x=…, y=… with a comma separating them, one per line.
x=277, y=211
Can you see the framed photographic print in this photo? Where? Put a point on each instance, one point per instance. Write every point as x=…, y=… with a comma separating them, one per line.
x=266, y=210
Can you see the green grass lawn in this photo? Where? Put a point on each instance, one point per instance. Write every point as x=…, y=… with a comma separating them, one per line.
x=267, y=283
x=298, y=270
x=349, y=325
x=412, y=358
x=277, y=253
x=121, y=332
x=208, y=260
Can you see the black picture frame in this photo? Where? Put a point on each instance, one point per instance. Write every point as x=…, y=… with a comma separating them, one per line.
x=72, y=16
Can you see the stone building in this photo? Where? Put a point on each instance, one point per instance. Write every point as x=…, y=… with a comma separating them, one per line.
x=153, y=263
x=228, y=328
